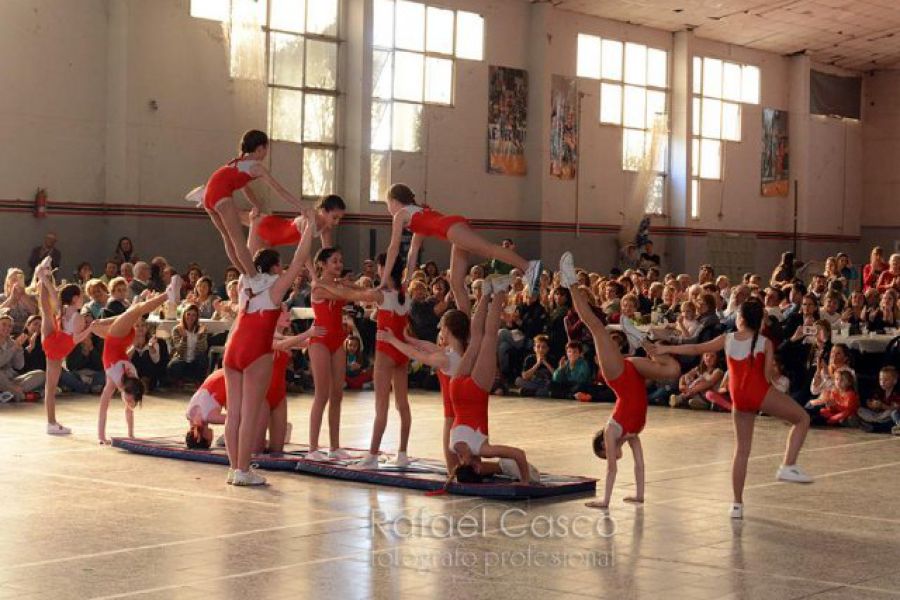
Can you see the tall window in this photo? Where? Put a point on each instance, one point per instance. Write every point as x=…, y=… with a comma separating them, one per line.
x=719, y=89
x=413, y=64
x=633, y=95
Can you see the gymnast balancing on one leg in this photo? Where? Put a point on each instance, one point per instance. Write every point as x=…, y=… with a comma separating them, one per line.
x=118, y=333
x=248, y=352
x=750, y=358
x=424, y=222
x=60, y=332
x=390, y=363
x=627, y=377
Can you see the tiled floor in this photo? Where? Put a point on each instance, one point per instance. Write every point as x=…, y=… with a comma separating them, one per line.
x=82, y=521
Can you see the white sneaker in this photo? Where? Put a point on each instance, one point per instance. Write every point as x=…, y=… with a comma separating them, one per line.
x=792, y=473
x=173, y=294
x=316, y=455
x=635, y=336
x=533, y=277
x=568, y=278
x=7, y=397
x=251, y=477
x=737, y=511
x=500, y=283
x=401, y=460
x=339, y=454
x=46, y=264
x=487, y=286
x=57, y=429
x=369, y=463
x=220, y=441
x=196, y=195
x=229, y=479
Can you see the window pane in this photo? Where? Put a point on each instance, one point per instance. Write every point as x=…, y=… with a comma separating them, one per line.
x=408, y=76
x=286, y=115
x=380, y=176
x=469, y=35
x=382, y=80
x=695, y=199
x=695, y=119
x=611, y=60
x=286, y=60
x=731, y=121
x=322, y=17
x=439, y=31
x=695, y=158
x=410, y=28
x=657, y=145
x=632, y=149
x=710, y=159
x=439, y=80
x=321, y=64
x=610, y=103
x=383, y=24
x=697, y=75
x=215, y=10
x=318, y=171
x=656, y=107
x=712, y=118
x=635, y=64
x=588, y=56
x=653, y=204
x=657, y=65
x=750, y=85
x=288, y=15
x=712, y=77
x=381, y=126
x=407, y=126
x=731, y=81
x=634, y=107
x=318, y=118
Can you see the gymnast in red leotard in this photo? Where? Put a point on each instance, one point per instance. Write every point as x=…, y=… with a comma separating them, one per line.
x=750, y=358
x=424, y=222
x=627, y=377
x=60, y=333
x=269, y=231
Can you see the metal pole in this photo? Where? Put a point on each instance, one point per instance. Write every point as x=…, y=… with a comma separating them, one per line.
x=796, y=203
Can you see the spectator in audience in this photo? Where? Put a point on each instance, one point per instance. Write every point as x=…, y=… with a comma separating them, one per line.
x=886, y=315
x=83, y=274
x=822, y=385
x=839, y=407
x=12, y=361
x=845, y=270
x=124, y=251
x=648, y=258
x=423, y=313
x=118, y=298
x=772, y=302
x=146, y=356
x=818, y=287
x=431, y=270
x=126, y=271
x=832, y=273
x=499, y=267
x=784, y=272
x=189, y=345
x=157, y=265
x=48, y=248
x=85, y=364
x=232, y=274
x=15, y=302
x=707, y=274
x=830, y=310
x=873, y=269
x=359, y=372
x=572, y=374
x=110, y=272
x=202, y=297
x=227, y=309
x=855, y=312
x=35, y=359
x=99, y=295
x=694, y=384
x=141, y=280
x=882, y=410
x=537, y=372
x=890, y=278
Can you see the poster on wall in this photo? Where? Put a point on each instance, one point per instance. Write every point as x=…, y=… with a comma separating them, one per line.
x=775, y=164
x=563, y=127
x=507, y=115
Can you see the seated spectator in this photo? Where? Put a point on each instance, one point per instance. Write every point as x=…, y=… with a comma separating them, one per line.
x=110, y=272
x=886, y=315
x=882, y=411
x=141, y=280
x=190, y=279
x=35, y=359
x=358, y=374
x=431, y=270
x=612, y=301
x=15, y=302
x=126, y=272
x=831, y=308
x=84, y=366
x=840, y=406
x=146, y=357
x=855, y=312
x=772, y=303
x=890, y=279
x=99, y=296
x=189, y=345
x=82, y=274
x=157, y=265
x=231, y=274
x=694, y=384
x=124, y=252
x=873, y=269
x=537, y=372
x=648, y=259
x=424, y=312
x=687, y=325
x=12, y=361
x=572, y=374
x=48, y=248
x=784, y=272
x=118, y=298
x=202, y=297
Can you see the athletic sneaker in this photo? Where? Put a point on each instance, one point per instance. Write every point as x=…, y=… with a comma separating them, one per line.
x=533, y=277
x=229, y=479
x=220, y=441
x=251, y=477
x=568, y=278
x=46, y=264
x=288, y=428
x=57, y=429
x=500, y=283
x=173, y=290
x=7, y=397
x=339, y=454
x=676, y=400
x=698, y=404
x=316, y=455
x=369, y=463
x=895, y=430
x=196, y=195
x=792, y=473
x=635, y=336
x=737, y=511
x=401, y=460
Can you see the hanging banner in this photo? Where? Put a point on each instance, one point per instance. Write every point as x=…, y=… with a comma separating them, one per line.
x=507, y=116
x=563, y=127
x=775, y=164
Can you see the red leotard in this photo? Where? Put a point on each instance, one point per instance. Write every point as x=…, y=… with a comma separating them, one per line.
x=226, y=180
x=431, y=223
x=630, y=411
x=253, y=330
x=747, y=381
x=278, y=231
x=392, y=316
x=215, y=385
x=330, y=315
x=444, y=377
x=61, y=342
x=278, y=385
x=115, y=349
x=470, y=404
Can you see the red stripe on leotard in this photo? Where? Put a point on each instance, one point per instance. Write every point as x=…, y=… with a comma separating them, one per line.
x=115, y=349
x=224, y=182
x=330, y=315
x=278, y=231
x=470, y=404
x=630, y=411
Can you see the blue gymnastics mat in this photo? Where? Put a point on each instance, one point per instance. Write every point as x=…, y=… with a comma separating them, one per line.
x=422, y=473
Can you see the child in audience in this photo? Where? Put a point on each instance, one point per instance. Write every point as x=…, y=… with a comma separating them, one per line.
x=840, y=406
x=882, y=410
x=358, y=372
x=572, y=373
x=537, y=372
x=696, y=382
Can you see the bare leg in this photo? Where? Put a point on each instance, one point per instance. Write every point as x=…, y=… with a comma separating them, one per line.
x=467, y=363
x=320, y=363
x=234, y=382
x=277, y=427
x=401, y=401
x=743, y=440
x=779, y=405
x=608, y=355
x=384, y=366
x=517, y=454
x=338, y=364
x=462, y=235
x=663, y=367
x=449, y=457
x=262, y=426
x=54, y=368
x=231, y=221
x=485, y=368
x=105, y=396
x=459, y=266
x=255, y=380
x=48, y=328
x=230, y=250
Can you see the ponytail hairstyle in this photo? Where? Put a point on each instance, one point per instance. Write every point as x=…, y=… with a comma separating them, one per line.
x=752, y=313
x=68, y=293
x=265, y=259
x=458, y=323
x=322, y=257
x=396, y=276
x=402, y=193
x=253, y=139
x=330, y=202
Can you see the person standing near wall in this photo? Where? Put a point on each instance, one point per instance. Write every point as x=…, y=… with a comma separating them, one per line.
x=48, y=248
